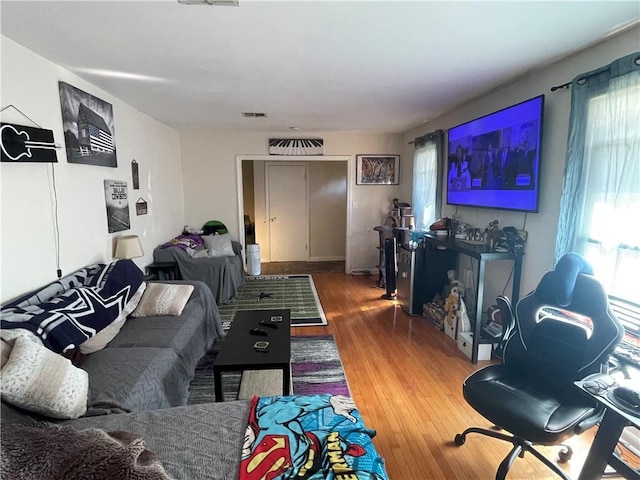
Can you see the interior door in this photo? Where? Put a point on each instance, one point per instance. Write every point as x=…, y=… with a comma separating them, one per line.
x=287, y=201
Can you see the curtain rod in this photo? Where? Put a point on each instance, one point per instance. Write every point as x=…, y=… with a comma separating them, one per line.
x=427, y=136
x=558, y=87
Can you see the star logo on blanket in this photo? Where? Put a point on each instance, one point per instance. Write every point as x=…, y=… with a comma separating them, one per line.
x=68, y=312
x=308, y=437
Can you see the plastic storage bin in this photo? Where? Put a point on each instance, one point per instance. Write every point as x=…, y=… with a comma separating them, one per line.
x=253, y=259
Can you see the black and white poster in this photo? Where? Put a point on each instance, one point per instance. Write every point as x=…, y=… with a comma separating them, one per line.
x=89, y=132
x=117, y=200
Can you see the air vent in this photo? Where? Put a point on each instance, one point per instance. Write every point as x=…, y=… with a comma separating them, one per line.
x=254, y=115
x=223, y=3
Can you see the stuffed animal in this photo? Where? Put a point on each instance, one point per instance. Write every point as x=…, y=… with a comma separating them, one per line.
x=456, y=310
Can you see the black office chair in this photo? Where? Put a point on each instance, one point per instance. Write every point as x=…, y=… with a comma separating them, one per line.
x=531, y=394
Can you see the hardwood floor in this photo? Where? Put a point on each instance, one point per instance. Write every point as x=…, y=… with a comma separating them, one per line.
x=406, y=379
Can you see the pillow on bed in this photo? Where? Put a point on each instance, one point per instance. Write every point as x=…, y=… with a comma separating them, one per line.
x=219, y=245
x=39, y=380
x=163, y=299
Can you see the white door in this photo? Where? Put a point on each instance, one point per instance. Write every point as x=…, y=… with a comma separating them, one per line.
x=287, y=203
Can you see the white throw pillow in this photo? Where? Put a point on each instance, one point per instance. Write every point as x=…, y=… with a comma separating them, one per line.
x=39, y=380
x=104, y=336
x=219, y=245
x=163, y=299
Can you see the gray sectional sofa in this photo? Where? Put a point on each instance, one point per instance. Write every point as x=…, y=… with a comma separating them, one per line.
x=139, y=383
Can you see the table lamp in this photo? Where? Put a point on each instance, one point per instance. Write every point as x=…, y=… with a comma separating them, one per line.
x=128, y=246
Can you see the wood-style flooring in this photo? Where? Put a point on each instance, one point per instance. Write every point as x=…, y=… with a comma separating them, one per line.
x=288, y=268
x=406, y=379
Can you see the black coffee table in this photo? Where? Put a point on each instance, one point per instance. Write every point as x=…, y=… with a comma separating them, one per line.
x=237, y=352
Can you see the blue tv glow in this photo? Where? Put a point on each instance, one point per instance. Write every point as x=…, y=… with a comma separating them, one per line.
x=494, y=161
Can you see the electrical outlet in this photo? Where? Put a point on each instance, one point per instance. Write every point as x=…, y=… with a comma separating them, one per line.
x=523, y=235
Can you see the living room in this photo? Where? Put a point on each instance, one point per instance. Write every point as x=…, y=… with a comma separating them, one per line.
x=189, y=176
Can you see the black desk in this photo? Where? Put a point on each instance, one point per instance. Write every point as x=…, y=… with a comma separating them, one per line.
x=483, y=254
x=237, y=353
x=602, y=451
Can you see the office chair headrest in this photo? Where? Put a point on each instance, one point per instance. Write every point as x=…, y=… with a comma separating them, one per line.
x=565, y=275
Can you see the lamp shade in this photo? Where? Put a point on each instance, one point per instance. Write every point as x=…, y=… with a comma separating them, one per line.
x=128, y=246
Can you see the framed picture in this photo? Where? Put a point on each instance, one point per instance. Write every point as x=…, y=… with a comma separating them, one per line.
x=117, y=200
x=377, y=169
x=89, y=133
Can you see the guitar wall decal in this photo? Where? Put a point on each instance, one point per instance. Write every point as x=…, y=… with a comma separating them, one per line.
x=16, y=143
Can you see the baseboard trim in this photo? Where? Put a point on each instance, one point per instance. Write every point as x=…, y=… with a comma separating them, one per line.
x=326, y=259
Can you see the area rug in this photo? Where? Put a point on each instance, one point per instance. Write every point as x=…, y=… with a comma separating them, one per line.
x=316, y=367
x=269, y=292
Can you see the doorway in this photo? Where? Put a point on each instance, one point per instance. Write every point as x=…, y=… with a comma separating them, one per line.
x=324, y=212
x=288, y=212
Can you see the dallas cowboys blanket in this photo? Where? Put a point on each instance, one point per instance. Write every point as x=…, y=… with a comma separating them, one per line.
x=68, y=312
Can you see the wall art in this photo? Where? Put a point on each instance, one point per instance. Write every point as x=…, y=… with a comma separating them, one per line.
x=295, y=146
x=117, y=200
x=377, y=169
x=141, y=206
x=26, y=144
x=89, y=132
x=135, y=175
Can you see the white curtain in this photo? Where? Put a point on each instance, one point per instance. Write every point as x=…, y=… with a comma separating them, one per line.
x=600, y=205
x=425, y=181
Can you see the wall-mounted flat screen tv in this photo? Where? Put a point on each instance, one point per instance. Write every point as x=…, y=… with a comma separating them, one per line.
x=494, y=161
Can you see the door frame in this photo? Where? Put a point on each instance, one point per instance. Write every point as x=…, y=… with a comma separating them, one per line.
x=294, y=158
x=306, y=202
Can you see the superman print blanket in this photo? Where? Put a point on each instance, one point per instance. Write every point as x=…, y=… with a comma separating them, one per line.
x=308, y=437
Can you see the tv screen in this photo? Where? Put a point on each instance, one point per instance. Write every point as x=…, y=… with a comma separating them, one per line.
x=494, y=161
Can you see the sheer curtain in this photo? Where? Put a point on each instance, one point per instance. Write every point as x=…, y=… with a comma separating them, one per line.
x=427, y=174
x=600, y=203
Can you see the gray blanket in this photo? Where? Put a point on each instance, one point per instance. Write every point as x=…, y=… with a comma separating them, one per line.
x=47, y=451
x=223, y=275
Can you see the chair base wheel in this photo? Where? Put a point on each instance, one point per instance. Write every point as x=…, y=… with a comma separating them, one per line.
x=460, y=439
x=565, y=454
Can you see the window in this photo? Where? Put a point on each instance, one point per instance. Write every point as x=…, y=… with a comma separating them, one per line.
x=600, y=204
x=427, y=184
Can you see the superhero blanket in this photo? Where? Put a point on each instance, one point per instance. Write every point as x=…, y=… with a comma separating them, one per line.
x=308, y=437
x=71, y=310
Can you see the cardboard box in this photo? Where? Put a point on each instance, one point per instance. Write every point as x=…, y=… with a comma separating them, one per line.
x=465, y=344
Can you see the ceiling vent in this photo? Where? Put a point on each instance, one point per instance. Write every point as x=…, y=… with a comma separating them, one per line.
x=220, y=3
x=254, y=115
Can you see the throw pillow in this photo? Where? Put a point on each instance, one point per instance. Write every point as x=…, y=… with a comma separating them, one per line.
x=193, y=253
x=39, y=380
x=5, y=351
x=163, y=299
x=219, y=245
x=104, y=336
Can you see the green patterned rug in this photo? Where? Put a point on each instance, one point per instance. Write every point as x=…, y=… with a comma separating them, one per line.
x=269, y=292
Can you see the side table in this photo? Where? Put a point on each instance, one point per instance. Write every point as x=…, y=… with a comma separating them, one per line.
x=162, y=271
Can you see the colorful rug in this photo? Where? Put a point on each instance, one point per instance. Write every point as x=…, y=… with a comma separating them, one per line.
x=316, y=367
x=269, y=292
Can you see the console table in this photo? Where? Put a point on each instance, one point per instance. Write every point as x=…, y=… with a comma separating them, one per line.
x=483, y=254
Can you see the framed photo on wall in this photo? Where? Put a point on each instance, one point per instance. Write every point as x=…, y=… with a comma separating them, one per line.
x=89, y=131
x=377, y=169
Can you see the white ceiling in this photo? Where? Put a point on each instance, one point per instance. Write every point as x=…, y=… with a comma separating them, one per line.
x=357, y=66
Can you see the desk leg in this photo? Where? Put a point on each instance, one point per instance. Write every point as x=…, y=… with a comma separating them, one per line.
x=217, y=380
x=517, y=274
x=603, y=445
x=476, y=325
x=286, y=380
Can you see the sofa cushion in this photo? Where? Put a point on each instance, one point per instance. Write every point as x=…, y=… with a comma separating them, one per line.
x=163, y=299
x=39, y=380
x=135, y=379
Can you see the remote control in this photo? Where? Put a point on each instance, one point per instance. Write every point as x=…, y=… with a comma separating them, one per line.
x=258, y=331
x=268, y=324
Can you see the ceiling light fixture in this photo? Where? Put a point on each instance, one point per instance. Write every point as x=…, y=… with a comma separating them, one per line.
x=219, y=3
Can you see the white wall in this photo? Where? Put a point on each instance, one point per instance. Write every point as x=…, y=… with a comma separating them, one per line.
x=210, y=183
x=28, y=253
x=542, y=227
